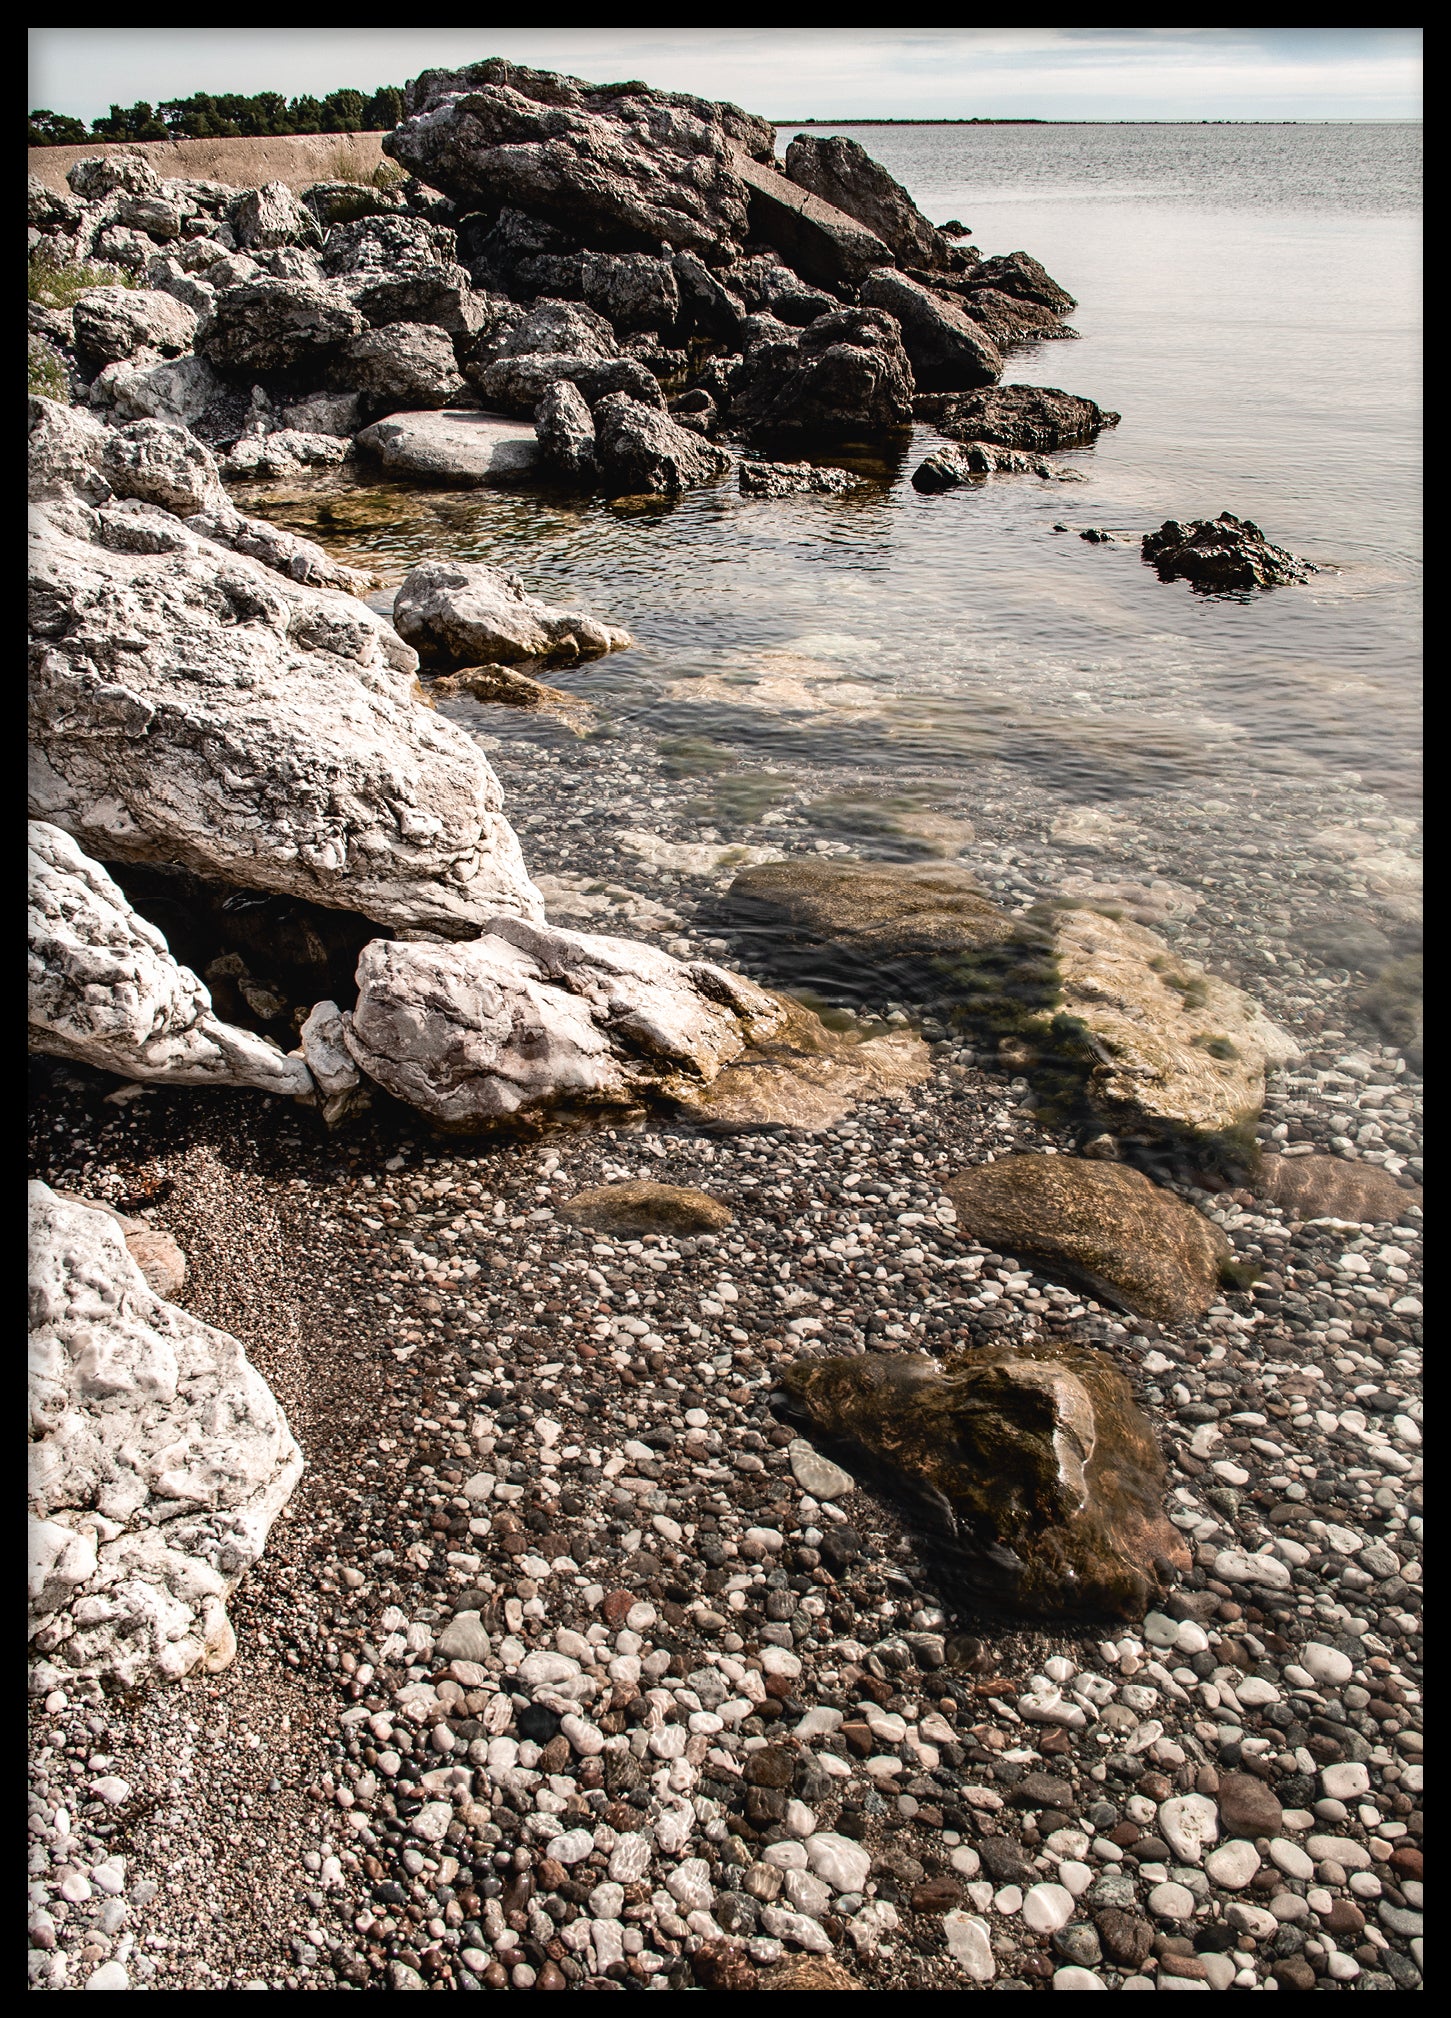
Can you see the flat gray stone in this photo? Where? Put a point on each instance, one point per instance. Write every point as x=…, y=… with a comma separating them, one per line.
x=452, y=445
x=817, y=1474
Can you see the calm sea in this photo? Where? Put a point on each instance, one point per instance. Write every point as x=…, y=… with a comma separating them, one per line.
x=1249, y=302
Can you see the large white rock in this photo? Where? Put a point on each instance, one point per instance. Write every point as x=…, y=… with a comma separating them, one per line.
x=462, y=613
x=104, y=988
x=159, y=1460
x=530, y=1016
x=452, y=446
x=197, y=708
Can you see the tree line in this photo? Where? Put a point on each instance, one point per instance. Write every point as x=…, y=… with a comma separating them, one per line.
x=226, y=115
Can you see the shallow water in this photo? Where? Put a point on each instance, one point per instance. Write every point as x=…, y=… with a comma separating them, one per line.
x=1249, y=303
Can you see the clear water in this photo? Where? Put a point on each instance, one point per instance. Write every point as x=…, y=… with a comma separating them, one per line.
x=1249, y=302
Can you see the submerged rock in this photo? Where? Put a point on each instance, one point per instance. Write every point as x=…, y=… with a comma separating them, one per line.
x=505, y=686
x=1034, y=1470
x=462, y=613
x=1222, y=553
x=460, y=447
x=104, y=989
x=788, y=479
x=640, y=1206
x=948, y=350
x=802, y=1075
x=1330, y=1187
x=1115, y=1023
x=1104, y=1228
x=841, y=172
x=530, y=1017
x=1176, y=1051
x=1016, y=416
x=846, y=374
x=159, y=1460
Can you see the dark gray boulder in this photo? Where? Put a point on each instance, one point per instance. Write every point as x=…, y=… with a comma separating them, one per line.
x=1016, y=416
x=949, y=351
x=622, y=179
x=846, y=374
x=841, y=171
x=517, y=384
x=708, y=308
x=631, y=290
x=440, y=295
x=1226, y=553
x=769, y=288
x=404, y=364
x=819, y=241
x=1020, y=274
x=560, y=327
x=267, y=325
x=566, y=432
x=1010, y=320
x=639, y=449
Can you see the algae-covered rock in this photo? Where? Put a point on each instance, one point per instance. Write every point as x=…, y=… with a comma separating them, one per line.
x=1033, y=1469
x=640, y=1206
x=1103, y=1227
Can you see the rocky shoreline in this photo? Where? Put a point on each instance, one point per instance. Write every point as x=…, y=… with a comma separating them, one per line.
x=607, y=1601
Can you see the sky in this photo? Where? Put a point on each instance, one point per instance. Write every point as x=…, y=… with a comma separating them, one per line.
x=786, y=73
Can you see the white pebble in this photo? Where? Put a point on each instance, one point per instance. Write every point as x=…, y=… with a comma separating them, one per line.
x=1046, y=1908
x=970, y=1946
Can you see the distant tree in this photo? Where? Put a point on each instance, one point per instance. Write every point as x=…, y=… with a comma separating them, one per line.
x=226, y=115
x=383, y=110
x=342, y=112
x=55, y=129
x=137, y=123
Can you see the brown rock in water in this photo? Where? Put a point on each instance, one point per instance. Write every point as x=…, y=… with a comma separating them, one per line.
x=1101, y=1226
x=1015, y=416
x=1329, y=1187
x=641, y=1206
x=892, y=915
x=724, y=1965
x=809, y=1972
x=1042, y=1481
x=505, y=684
x=800, y=1074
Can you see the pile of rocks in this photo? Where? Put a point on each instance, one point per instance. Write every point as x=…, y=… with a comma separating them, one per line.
x=579, y=253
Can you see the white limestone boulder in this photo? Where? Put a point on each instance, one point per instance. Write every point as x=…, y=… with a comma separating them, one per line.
x=530, y=1017
x=159, y=1459
x=195, y=707
x=105, y=990
x=463, y=613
